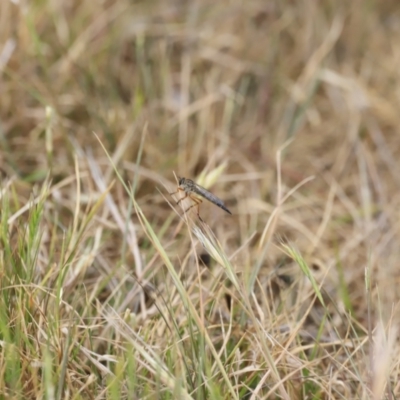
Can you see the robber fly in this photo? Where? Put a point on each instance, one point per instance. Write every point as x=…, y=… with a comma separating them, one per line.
x=191, y=189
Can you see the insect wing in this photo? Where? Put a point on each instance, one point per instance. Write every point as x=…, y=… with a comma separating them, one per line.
x=210, y=197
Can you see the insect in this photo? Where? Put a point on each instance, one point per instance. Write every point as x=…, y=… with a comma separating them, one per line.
x=191, y=189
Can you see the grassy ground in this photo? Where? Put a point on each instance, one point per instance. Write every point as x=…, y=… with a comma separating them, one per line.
x=288, y=111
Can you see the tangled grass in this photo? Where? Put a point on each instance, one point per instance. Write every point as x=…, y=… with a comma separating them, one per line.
x=288, y=110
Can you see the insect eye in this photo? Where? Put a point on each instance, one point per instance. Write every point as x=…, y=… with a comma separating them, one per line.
x=181, y=180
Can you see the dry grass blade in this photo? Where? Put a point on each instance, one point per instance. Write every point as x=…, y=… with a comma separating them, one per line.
x=283, y=113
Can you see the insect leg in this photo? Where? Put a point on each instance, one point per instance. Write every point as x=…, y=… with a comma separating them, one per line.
x=179, y=190
x=197, y=203
x=198, y=210
x=182, y=198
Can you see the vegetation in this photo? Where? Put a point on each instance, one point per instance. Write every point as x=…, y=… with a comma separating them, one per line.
x=287, y=111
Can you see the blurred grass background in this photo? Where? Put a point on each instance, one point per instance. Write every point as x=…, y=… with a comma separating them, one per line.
x=288, y=111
